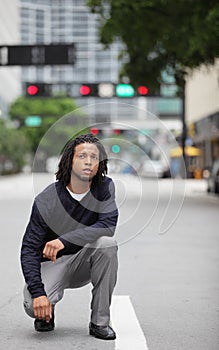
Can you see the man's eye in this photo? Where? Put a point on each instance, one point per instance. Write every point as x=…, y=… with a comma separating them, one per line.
x=94, y=157
x=81, y=156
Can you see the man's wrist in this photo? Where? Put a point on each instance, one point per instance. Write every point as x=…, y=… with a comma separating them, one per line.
x=35, y=295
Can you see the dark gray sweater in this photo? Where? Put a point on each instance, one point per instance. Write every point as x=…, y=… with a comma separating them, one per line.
x=55, y=214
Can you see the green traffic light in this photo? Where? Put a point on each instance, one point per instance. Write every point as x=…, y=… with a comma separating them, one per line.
x=124, y=90
x=115, y=148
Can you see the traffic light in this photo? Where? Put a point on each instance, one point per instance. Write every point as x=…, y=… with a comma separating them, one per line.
x=115, y=148
x=94, y=131
x=38, y=89
x=142, y=90
x=32, y=90
x=109, y=90
x=124, y=90
x=89, y=90
x=117, y=131
x=104, y=90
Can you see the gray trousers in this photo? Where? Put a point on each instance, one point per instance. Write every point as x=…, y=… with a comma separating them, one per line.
x=96, y=263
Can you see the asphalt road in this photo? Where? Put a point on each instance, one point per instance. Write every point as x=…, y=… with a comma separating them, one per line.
x=169, y=267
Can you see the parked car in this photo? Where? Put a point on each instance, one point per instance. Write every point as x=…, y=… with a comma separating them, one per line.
x=154, y=169
x=213, y=179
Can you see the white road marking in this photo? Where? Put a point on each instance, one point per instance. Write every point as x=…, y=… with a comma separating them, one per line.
x=124, y=320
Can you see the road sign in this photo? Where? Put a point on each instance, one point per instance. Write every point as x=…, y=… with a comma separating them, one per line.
x=36, y=55
x=33, y=120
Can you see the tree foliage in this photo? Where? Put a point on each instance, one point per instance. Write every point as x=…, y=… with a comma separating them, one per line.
x=160, y=35
x=13, y=149
x=50, y=110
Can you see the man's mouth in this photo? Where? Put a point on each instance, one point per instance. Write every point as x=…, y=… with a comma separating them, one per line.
x=87, y=171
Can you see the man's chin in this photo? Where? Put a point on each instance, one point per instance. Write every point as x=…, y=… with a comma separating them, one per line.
x=86, y=178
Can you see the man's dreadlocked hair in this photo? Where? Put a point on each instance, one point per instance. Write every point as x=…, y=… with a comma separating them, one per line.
x=65, y=165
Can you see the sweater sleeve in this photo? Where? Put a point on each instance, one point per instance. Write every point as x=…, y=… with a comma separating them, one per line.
x=104, y=226
x=31, y=252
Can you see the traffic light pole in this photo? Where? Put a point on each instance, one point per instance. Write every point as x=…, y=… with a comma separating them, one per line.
x=184, y=132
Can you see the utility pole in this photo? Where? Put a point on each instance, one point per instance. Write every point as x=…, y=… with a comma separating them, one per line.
x=184, y=132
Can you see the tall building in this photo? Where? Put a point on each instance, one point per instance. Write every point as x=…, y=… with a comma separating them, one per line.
x=67, y=21
x=59, y=21
x=10, y=86
x=202, y=110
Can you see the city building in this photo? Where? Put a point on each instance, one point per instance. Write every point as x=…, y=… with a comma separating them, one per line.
x=10, y=86
x=202, y=111
x=67, y=21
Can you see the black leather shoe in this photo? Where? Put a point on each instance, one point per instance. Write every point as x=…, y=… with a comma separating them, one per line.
x=102, y=332
x=44, y=326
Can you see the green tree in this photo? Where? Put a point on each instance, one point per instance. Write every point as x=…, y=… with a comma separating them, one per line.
x=50, y=110
x=14, y=147
x=160, y=36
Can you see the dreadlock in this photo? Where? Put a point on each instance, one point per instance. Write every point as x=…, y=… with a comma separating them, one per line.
x=65, y=165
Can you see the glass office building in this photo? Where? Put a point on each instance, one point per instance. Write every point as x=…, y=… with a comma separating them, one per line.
x=67, y=21
x=70, y=21
x=9, y=35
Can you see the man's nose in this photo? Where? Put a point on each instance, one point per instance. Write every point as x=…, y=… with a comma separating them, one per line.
x=88, y=160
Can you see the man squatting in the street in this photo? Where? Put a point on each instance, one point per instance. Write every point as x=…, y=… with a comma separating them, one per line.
x=69, y=242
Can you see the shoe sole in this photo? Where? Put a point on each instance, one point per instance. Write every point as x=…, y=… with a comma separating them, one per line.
x=44, y=330
x=99, y=337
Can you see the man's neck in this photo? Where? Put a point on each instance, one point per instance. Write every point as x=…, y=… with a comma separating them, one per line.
x=78, y=186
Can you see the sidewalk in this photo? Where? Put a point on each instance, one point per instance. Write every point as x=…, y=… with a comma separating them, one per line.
x=196, y=186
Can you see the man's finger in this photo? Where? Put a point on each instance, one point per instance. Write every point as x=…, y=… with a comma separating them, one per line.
x=35, y=310
x=43, y=312
x=50, y=310
x=54, y=253
x=47, y=252
x=45, y=249
x=47, y=313
x=38, y=313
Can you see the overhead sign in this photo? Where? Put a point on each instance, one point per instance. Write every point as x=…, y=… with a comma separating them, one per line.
x=33, y=120
x=35, y=55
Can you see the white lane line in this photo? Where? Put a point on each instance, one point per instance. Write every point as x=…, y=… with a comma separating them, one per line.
x=124, y=320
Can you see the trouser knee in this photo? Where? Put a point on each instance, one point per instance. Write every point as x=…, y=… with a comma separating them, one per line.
x=107, y=247
x=28, y=302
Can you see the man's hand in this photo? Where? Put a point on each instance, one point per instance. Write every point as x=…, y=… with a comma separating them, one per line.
x=52, y=248
x=42, y=308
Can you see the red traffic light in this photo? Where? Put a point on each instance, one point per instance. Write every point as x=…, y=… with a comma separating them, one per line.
x=143, y=90
x=85, y=90
x=38, y=90
x=94, y=131
x=32, y=90
x=117, y=131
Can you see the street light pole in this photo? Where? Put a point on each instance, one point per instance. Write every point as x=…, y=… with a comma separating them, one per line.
x=184, y=132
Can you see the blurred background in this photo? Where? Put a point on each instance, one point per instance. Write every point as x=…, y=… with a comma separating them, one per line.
x=63, y=56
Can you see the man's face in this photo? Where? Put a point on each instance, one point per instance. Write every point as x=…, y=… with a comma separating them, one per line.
x=85, y=161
